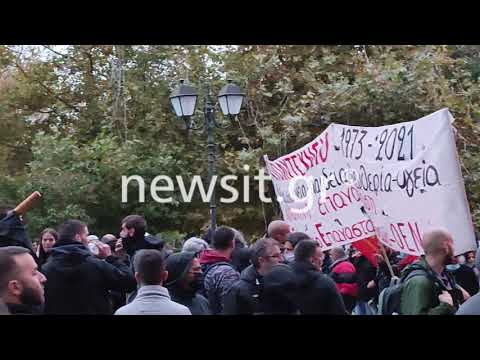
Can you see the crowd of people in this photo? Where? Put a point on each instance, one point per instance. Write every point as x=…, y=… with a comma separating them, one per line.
x=72, y=272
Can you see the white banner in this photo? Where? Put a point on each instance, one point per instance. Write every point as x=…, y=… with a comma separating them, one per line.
x=395, y=181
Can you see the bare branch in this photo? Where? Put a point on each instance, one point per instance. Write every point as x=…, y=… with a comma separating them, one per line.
x=56, y=52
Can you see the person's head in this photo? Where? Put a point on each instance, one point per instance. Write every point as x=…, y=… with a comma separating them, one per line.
x=470, y=258
x=184, y=272
x=110, y=240
x=133, y=226
x=265, y=253
x=20, y=280
x=278, y=230
x=292, y=240
x=310, y=252
x=279, y=291
x=73, y=230
x=337, y=253
x=92, y=238
x=438, y=247
x=224, y=239
x=149, y=267
x=240, y=258
x=195, y=245
x=48, y=238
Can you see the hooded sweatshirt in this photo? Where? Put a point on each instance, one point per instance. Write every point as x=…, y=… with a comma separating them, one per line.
x=178, y=266
x=78, y=282
x=219, y=277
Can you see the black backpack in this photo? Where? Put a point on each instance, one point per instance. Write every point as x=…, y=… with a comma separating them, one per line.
x=390, y=297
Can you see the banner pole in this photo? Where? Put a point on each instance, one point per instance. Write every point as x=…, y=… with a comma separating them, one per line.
x=390, y=269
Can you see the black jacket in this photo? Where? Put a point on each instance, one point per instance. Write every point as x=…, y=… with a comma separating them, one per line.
x=20, y=309
x=243, y=297
x=466, y=278
x=317, y=293
x=196, y=303
x=366, y=272
x=78, y=282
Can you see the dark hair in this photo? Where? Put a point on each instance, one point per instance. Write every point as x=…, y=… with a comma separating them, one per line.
x=305, y=250
x=296, y=237
x=69, y=229
x=240, y=258
x=42, y=255
x=222, y=238
x=8, y=264
x=259, y=249
x=138, y=223
x=149, y=264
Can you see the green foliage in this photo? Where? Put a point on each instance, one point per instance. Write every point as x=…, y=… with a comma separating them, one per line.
x=173, y=238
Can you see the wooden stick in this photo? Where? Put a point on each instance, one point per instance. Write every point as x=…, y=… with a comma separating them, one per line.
x=390, y=269
x=26, y=204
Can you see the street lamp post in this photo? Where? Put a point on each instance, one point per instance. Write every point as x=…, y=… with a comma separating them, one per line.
x=230, y=99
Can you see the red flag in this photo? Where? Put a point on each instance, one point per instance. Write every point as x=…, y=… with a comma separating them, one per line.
x=368, y=247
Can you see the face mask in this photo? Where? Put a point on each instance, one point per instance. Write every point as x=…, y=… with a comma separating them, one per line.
x=453, y=267
x=197, y=283
x=461, y=259
x=289, y=256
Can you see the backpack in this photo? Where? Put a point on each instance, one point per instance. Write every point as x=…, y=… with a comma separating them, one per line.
x=390, y=297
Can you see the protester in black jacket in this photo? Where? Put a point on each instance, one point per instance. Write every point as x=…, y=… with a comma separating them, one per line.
x=134, y=237
x=317, y=293
x=244, y=295
x=279, y=291
x=465, y=277
x=365, y=272
x=78, y=282
x=184, y=280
